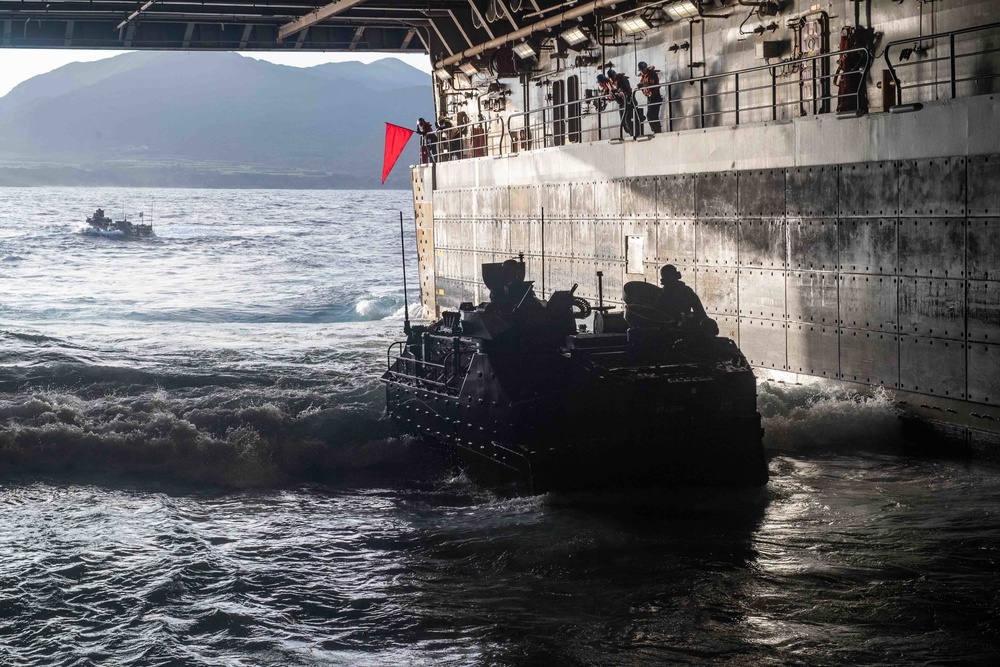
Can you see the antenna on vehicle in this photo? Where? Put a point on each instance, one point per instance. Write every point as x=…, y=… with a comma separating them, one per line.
x=406, y=300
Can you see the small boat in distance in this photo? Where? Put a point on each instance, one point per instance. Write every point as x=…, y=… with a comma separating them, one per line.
x=102, y=224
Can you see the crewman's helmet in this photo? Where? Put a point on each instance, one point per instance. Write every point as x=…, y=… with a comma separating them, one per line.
x=642, y=65
x=612, y=73
x=601, y=78
x=669, y=272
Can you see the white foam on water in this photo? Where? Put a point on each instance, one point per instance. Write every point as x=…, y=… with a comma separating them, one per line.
x=824, y=417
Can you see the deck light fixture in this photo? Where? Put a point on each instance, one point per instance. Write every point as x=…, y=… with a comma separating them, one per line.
x=469, y=69
x=524, y=51
x=633, y=24
x=679, y=11
x=442, y=74
x=574, y=36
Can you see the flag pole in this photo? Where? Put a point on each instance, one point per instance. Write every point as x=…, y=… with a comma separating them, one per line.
x=406, y=300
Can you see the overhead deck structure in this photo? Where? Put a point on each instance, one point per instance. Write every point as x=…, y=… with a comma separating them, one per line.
x=443, y=27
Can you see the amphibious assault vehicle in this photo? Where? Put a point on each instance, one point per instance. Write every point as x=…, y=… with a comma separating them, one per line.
x=516, y=393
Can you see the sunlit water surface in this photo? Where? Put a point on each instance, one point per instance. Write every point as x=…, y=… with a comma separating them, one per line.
x=196, y=471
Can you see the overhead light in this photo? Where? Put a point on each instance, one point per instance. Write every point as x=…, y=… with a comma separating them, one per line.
x=574, y=36
x=469, y=69
x=679, y=11
x=633, y=24
x=442, y=74
x=524, y=51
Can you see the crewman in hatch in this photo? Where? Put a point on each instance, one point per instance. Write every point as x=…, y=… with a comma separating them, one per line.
x=678, y=302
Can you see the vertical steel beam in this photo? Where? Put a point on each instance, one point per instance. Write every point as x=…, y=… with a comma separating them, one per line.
x=68, y=39
x=482, y=21
x=510, y=16
x=188, y=32
x=247, y=30
x=407, y=39
x=301, y=39
x=441, y=37
x=460, y=28
x=357, y=38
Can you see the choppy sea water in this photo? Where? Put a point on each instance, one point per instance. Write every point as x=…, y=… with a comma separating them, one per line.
x=195, y=470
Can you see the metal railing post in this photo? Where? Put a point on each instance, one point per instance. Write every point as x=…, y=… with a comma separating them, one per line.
x=670, y=115
x=774, y=93
x=951, y=57
x=701, y=102
x=736, y=77
x=814, y=85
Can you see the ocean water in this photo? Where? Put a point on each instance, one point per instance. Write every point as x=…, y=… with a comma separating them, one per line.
x=195, y=469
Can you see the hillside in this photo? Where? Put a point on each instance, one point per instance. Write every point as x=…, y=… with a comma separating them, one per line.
x=187, y=115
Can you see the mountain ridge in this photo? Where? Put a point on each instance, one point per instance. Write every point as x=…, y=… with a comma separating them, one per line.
x=212, y=108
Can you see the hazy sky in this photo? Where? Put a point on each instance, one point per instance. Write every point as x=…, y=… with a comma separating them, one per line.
x=17, y=65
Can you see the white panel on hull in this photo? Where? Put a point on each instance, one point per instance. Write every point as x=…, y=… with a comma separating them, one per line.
x=675, y=196
x=812, y=191
x=608, y=241
x=716, y=194
x=983, y=305
x=762, y=243
x=868, y=246
x=718, y=288
x=812, y=244
x=984, y=373
x=934, y=187
x=718, y=242
x=870, y=357
x=811, y=296
x=675, y=242
x=763, y=343
x=932, y=247
x=984, y=195
x=869, y=189
x=608, y=199
x=557, y=201
x=761, y=193
x=639, y=197
x=929, y=307
x=932, y=366
x=983, y=243
x=762, y=294
x=558, y=238
x=582, y=200
x=814, y=349
x=868, y=302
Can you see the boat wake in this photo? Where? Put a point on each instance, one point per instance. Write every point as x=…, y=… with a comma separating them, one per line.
x=819, y=418
x=243, y=437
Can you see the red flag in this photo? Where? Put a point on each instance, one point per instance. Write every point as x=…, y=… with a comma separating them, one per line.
x=395, y=140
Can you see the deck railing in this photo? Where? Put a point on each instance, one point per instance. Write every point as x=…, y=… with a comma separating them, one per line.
x=479, y=138
x=911, y=56
x=825, y=83
x=748, y=95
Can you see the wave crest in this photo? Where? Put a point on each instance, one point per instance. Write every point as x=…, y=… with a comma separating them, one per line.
x=828, y=418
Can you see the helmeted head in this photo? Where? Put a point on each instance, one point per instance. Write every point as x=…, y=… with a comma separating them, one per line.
x=612, y=73
x=511, y=271
x=669, y=273
x=421, y=120
x=601, y=78
x=642, y=66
